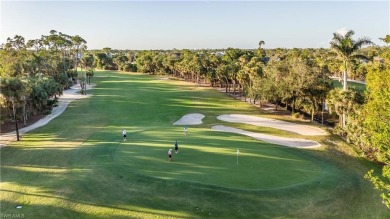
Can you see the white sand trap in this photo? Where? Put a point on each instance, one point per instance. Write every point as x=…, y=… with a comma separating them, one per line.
x=273, y=123
x=289, y=142
x=190, y=119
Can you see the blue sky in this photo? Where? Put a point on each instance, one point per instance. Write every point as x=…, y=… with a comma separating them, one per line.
x=197, y=24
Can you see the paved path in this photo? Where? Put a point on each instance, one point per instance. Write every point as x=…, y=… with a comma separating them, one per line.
x=67, y=97
x=338, y=78
x=289, y=142
x=273, y=123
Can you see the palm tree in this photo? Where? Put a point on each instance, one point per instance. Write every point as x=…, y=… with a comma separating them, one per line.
x=78, y=44
x=347, y=49
x=261, y=43
x=13, y=88
x=86, y=62
x=343, y=101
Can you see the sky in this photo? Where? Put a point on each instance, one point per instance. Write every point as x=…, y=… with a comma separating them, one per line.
x=196, y=24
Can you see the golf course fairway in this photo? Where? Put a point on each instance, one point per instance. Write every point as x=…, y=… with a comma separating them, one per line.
x=78, y=166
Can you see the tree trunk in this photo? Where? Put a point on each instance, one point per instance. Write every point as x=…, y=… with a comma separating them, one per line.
x=343, y=119
x=293, y=106
x=313, y=108
x=76, y=60
x=16, y=121
x=227, y=86
x=312, y=114
x=345, y=76
x=243, y=92
x=234, y=90
x=63, y=61
x=322, y=112
x=24, y=114
x=344, y=88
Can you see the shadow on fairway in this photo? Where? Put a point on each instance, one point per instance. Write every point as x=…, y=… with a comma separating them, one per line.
x=94, y=187
x=78, y=166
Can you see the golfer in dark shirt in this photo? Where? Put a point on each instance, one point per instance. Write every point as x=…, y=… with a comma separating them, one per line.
x=176, y=147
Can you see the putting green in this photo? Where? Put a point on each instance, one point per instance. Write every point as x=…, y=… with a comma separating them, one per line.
x=210, y=158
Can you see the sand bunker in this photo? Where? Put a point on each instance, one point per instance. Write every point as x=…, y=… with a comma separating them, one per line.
x=289, y=142
x=273, y=123
x=190, y=119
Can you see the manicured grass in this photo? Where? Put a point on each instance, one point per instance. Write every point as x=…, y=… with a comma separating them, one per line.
x=78, y=167
x=357, y=86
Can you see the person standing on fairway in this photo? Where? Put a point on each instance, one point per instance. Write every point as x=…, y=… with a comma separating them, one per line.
x=176, y=147
x=170, y=155
x=124, y=135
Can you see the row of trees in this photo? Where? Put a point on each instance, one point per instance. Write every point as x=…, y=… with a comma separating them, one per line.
x=300, y=79
x=365, y=119
x=34, y=73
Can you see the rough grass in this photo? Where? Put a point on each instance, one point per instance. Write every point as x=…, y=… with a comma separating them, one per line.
x=78, y=167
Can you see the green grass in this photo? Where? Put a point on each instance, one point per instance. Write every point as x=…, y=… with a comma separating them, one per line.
x=357, y=86
x=78, y=167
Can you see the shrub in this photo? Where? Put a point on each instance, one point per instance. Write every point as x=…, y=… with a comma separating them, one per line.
x=296, y=115
x=46, y=111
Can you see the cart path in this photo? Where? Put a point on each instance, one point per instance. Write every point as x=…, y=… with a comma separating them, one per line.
x=63, y=101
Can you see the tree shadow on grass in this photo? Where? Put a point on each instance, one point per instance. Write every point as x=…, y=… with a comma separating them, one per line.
x=116, y=179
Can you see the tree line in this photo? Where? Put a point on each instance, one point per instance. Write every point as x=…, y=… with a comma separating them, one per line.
x=34, y=74
x=296, y=78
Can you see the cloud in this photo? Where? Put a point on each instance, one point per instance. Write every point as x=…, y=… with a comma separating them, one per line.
x=342, y=31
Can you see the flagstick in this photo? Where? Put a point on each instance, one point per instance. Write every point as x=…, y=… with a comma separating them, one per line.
x=237, y=155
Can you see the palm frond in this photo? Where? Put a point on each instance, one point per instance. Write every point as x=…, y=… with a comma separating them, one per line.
x=339, y=49
x=337, y=37
x=359, y=56
x=361, y=42
x=349, y=34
